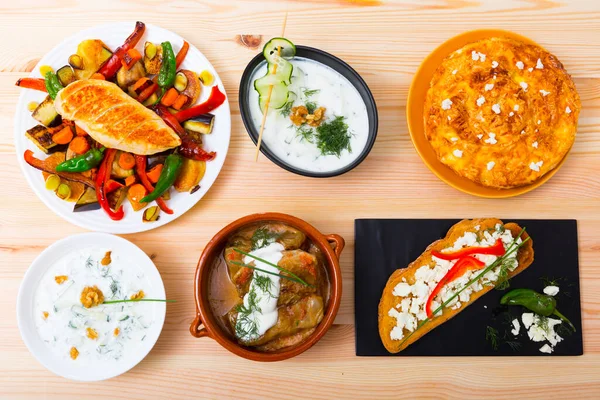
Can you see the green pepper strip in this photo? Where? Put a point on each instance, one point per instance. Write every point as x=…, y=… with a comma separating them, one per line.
x=168, y=69
x=538, y=303
x=167, y=177
x=53, y=85
x=82, y=163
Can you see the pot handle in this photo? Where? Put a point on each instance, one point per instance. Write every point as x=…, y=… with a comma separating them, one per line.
x=337, y=243
x=195, y=329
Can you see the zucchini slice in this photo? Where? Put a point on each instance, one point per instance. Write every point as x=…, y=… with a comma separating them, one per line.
x=66, y=75
x=46, y=114
x=288, y=49
x=40, y=136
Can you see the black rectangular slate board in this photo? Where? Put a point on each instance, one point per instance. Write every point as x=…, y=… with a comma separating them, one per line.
x=384, y=245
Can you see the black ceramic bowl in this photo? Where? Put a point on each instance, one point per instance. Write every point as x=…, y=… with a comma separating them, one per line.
x=336, y=64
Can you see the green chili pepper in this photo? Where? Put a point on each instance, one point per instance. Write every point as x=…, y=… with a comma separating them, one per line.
x=53, y=85
x=538, y=303
x=168, y=69
x=82, y=163
x=167, y=176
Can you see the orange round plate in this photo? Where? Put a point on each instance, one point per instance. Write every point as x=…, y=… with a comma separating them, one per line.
x=414, y=116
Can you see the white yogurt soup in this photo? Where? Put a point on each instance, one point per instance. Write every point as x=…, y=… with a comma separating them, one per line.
x=82, y=329
x=308, y=142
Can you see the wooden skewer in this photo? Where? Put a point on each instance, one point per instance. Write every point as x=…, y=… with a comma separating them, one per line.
x=264, y=118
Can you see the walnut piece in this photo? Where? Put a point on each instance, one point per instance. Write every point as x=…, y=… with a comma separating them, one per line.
x=139, y=295
x=91, y=333
x=74, y=353
x=60, y=279
x=106, y=260
x=45, y=314
x=300, y=115
x=91, y=296
x=116, y=332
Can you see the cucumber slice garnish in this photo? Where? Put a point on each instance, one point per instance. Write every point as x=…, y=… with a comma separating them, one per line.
x=288, y=50
x=284, y=69
x=279, y=96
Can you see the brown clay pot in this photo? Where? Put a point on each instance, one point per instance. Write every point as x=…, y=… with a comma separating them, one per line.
x=205, y=323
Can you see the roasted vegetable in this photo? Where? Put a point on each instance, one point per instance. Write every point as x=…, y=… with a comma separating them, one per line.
x=76, y=61
x=181, y=54
x=168, y=69
x=42, y=138
x=116, y=197
x=201, y=124
x=52, y=182
x=93, y=54
x=127, y=77
x=153, y=56
x=167, y=177
x=82, y=163
x=46, y=114
x=135, y=193
x=88, y=201
x=63, y=191
x=67, y=190
x=139, y=87
x=110, y=68
x=151, y=214
x=140, y=167
x=46, y=166
x=53, y=85
x=118, y=171
x=32, y=83
x=103, y=175
x=190, y=175
x=181, y=81
x=206, y=78
x=193, y=88
x=215, y=99
x=66, y=75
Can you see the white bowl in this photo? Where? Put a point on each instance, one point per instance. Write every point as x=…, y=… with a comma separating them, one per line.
x=25, y=306
x=113, y=36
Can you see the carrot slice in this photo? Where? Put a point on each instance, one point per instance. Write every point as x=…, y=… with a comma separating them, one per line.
x=79, y=145
x=64, y=136
x=79, y=131
x=130, y=180
x=126, y=160
x=182, y=53
x=154, y=173
x=139, y=83
x=180, y=102
x=99, y=76
x=135, y=194
x=169, y=97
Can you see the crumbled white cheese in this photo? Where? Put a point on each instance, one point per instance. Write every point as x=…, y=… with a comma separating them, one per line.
x=520, y=65
x=476, y=56
x=551, y=290
x=535, y=144
x=517, y=327
x=479, y=136
x=490, y=165
x=457, y=153
x=446, y=104
x=523, y=132
x=539, y=121
x=516, y=107
x=510, y=114
x=527, y=319
x=489, y=87
x=530, y=69
x=524, y=86
x=454, y=139
x=454, y=72
x=491, y=139
x=402, y=289
x=496, y=108
x=494, y=76
x=535, y=166
x=541, y=329
x=568, y=110
x=494, y=64
x=449, y=119
x=539, y=64
x=477, y=227
x=481, y=100
x=546, y=349
x=544, y=93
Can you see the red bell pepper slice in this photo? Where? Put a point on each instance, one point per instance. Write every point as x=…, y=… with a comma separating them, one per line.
x=32, y=83
x=101, y=183
x=496, y=250
x=182, y=53
x=463, y=265
x=110, y=68
x=111, y=186
x=215, y=99
x=140, y=167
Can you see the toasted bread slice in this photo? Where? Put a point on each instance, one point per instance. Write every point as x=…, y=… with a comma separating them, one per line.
x=389, y=300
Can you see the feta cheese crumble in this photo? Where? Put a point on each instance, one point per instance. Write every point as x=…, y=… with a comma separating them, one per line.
x=546, y=349
x=535, y=166
x=476, y=56
x=516, y=327
x=489, y=87
x=520, y=65
x=539, y=64
x=510, y=114
x=481, y=100
x=494, y=64
x=524, y=86
x=491, y=139
x=454, y=72
x=457, y=153
x=480, y=136
x=454, y=139
x=535, y=144
x=568, y=110
x=544, y=93
x=530, y=69
x=551, y=290
x=496, y=108
x=539, y=121
x=446, y=104
x=490, y=165
x=541, y=329
x=516, y=107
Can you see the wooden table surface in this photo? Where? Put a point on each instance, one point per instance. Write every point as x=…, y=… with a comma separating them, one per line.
x=384, y=41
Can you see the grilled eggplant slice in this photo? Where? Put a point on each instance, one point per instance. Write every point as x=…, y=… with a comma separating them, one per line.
x=46, y=114
x=201, y=124
x=87, y=201
x=66, y=75
x=42, y=138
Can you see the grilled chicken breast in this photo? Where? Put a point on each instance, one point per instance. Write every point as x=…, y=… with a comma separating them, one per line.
x=113, y=118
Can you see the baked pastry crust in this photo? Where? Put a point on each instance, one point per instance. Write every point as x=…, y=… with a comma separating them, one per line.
x=501, y=112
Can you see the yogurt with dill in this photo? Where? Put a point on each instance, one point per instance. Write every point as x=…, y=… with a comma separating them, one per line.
x=316, y=83
x=102, y=334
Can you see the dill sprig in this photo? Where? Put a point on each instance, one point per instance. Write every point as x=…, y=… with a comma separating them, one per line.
x=333, y=137
x=491, y=335
x=286, y=110
x=513, y=247
x=265, y=284
x=246, y=325
x=305, y=133
x=263, y=237
x=309, y=92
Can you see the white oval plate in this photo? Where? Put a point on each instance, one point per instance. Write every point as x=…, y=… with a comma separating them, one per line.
x=113, y=36
x=26, y=298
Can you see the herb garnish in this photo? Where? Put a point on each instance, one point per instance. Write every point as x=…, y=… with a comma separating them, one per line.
x=286, y=110
x=333, y=137
x=491, y=335
x=136, y=300
x=291, y=276
x=246, y=325
x=264, y=283
x=305, y=133
x=311, y=106
x=263, y=237
x=309, y=92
